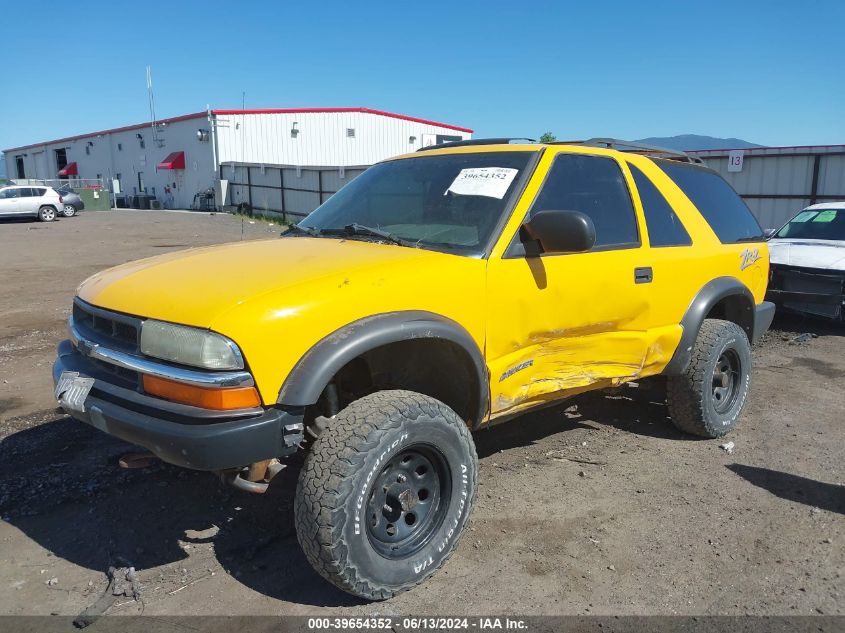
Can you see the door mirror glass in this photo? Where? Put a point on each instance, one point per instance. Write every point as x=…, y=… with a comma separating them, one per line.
x=769, y=233
x=560, y=231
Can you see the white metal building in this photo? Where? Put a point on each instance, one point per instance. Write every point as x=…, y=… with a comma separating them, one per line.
x=282, y=160
x=776, y=182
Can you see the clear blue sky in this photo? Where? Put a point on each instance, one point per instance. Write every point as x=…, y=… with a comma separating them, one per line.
x=769, y=72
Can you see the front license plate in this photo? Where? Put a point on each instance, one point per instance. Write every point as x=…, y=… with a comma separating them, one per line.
x=72, y=389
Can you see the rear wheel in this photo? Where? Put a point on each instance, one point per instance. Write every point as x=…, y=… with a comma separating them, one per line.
x=385, y=493
x=46, y=214
x=69, y=211
x=708, y=397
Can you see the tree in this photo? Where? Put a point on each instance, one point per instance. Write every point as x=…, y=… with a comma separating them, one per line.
x=548, y=137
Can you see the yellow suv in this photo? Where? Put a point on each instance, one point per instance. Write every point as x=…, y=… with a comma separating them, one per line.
x=436, y=294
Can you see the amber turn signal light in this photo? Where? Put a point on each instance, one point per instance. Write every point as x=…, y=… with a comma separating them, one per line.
x=203, y=397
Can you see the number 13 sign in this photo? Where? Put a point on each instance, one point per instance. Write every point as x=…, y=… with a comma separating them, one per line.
x=735, y=160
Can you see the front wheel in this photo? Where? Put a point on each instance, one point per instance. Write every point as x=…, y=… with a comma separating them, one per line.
x=46, y=214
x=385, y=493
x=69, y=211
x=707, y=399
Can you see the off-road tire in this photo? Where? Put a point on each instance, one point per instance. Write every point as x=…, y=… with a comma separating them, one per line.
x=47, y=214
x=341, y=470
x=69, y=211
x=693, y=406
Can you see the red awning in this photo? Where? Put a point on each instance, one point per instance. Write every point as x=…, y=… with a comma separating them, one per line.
x=174, y=160
x=69, y=170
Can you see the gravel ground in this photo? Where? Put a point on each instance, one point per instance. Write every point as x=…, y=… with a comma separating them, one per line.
x=596, y=506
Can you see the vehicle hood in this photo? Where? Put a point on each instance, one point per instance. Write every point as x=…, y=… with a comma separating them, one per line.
x=822, y=254
x=196, y=286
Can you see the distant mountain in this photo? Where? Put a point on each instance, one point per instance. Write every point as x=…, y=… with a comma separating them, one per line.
x=696, y=141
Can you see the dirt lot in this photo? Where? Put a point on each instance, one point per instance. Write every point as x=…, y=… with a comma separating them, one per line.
x=595, y=507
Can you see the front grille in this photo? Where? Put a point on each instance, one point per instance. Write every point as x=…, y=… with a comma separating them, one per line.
x=110, y=329
x=122, y=376
x=827, y=286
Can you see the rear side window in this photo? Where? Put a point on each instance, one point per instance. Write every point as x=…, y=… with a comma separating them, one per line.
x=725, y=212
x=39, y=191
x=664, y=226
x=595, y=186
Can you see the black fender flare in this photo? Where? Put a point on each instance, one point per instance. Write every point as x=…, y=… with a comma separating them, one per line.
x=315, y=369
x=712, y=293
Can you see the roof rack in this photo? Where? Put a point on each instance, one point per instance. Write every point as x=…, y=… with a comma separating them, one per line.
x=478, y=141
x=609, y=143
x=636, y=148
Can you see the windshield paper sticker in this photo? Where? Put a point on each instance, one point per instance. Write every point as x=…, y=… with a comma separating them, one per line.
x=492, y=182
x=828, y=215
x=803, y=216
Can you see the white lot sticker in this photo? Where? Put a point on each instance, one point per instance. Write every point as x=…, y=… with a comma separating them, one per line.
x=492, y=182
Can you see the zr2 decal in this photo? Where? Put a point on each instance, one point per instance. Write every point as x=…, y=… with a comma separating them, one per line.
x=748, y=258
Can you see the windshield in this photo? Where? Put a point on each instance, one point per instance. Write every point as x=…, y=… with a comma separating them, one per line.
x=817, y=224
x=450, y=202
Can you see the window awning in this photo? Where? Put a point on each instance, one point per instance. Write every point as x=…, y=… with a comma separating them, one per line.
x=69, y=170
x=174, y=160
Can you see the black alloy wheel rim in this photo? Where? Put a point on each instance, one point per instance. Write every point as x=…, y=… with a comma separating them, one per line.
x=726, y=377
x=408, y=501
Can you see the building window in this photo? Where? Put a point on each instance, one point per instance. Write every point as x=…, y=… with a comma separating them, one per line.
x=88, y=150
x=120, y=147
x=350, y=132
x=142, y=144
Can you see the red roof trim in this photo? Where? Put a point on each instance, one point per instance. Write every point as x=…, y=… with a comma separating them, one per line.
x=365, y=110
x=174, y=160
x=198, y=115
x=69, y=170
x=137, y=126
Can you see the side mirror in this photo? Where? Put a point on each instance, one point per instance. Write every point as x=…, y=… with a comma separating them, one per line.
x=769, y=233
x=561, y=231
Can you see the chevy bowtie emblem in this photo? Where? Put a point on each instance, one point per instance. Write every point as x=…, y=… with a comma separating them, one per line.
x=748, y=257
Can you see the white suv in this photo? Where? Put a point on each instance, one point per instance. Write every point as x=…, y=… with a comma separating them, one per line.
x=36, y=200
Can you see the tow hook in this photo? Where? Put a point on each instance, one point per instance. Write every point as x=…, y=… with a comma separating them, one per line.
x=255, y=478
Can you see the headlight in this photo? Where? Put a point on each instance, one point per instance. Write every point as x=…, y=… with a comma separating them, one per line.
x=189, y=346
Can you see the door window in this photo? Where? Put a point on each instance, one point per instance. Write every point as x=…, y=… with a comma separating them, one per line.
x=595, y=186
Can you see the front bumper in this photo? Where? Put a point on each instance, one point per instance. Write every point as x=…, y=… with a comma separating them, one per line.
x=808, y=290
x=179, y=434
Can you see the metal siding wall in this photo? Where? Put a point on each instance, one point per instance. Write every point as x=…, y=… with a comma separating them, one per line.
x=777, y=172
x=105, y=159
x=832, y=176
x=321, y=140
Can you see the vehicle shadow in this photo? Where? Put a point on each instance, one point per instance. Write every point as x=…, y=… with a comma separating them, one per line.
x=60, y=484
x=797, y=324
x=638, y=408
x=795, y=488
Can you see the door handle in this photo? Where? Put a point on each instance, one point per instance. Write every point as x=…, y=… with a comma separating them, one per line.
x=643, y=275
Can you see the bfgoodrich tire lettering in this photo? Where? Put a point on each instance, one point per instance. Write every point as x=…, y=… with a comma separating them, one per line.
x=339, y=479
x=708, y=398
